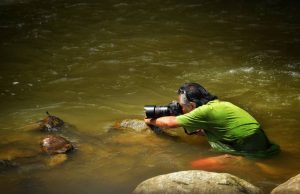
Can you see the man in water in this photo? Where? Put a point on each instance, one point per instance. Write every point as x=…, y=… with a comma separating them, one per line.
x=228, y=128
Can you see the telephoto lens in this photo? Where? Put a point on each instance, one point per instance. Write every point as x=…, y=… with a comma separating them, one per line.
x=153, y=111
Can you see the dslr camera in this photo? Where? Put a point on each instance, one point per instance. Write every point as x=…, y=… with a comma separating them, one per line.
x=154, y=111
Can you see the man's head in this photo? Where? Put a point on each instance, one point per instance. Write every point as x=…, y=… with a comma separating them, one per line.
x=192, y=95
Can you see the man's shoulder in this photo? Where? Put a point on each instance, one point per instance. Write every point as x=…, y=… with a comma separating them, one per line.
x=217, y=106
x=219, y=103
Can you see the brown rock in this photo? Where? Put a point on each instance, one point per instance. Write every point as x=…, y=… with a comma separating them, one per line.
x=54, y=144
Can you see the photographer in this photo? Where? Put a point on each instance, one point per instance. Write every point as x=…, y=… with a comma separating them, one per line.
x=228, y=128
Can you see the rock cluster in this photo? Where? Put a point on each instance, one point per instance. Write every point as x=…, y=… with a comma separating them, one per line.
x=53, y=144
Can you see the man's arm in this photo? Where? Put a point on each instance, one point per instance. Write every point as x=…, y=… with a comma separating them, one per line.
x=163, y=122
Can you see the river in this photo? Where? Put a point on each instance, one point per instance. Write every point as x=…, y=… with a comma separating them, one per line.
x=95, y=62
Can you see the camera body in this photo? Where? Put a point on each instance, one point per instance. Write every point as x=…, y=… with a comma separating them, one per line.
x=154, y=111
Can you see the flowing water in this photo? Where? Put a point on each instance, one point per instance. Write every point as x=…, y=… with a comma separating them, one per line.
x=94, y=62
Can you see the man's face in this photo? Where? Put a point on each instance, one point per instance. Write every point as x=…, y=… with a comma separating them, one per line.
x=186, y=106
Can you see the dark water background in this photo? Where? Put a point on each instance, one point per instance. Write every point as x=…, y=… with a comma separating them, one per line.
x=93, y=62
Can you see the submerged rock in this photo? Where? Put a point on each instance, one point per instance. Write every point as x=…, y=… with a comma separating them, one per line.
x=7, y=164
x=56, y=160
x=291, y=186
x=194, y=182
x=137, y=125
x=54, y=144
x=133, y=124
x=12, y=153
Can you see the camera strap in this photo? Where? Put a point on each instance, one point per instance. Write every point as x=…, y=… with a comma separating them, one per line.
x=189, y=133
x=193, y=133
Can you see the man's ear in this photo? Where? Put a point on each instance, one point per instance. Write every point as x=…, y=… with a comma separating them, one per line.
x=193, y=104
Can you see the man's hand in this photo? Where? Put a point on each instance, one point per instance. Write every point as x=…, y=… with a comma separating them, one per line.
x=148, y=120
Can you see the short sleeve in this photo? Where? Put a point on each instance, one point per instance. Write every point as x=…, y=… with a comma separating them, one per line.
x=193, y=120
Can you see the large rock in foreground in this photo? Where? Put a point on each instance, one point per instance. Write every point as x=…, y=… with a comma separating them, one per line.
x=196, y=181
x=292, y=186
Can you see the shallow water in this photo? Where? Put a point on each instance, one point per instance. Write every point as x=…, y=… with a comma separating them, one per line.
x=96, y=62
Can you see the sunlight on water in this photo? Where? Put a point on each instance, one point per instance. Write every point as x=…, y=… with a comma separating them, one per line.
x=93, y=63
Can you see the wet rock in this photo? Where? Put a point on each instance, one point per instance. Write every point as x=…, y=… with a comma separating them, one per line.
x=195, y=181
x=137, y=125
x=23, y=152
x=50, y=123
x=291, y=186
x=25, y=159
x=54, y=144
x=133, y=124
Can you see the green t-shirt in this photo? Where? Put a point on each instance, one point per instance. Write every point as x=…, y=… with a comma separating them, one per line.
x=227, y=128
